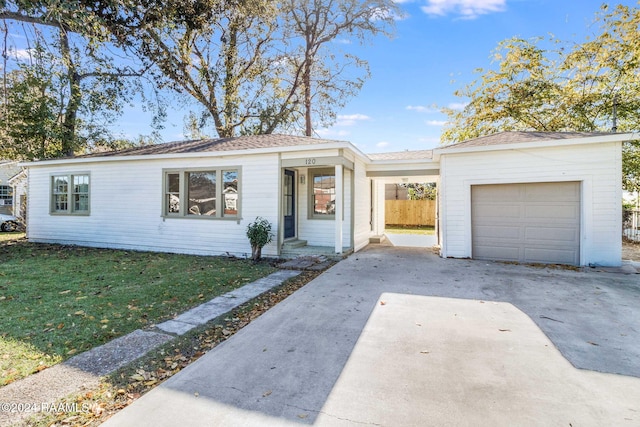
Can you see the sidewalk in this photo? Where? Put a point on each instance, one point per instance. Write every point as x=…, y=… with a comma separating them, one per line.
x=84, y=370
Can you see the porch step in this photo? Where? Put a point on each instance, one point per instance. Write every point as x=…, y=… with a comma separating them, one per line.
x=294, y=244
x=377, y=239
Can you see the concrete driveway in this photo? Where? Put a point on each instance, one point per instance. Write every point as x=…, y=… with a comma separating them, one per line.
x=398, y=336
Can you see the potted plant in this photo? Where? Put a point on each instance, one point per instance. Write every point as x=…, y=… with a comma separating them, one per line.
x=259, y=234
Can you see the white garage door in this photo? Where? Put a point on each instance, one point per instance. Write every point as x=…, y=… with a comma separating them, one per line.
x=538, y=223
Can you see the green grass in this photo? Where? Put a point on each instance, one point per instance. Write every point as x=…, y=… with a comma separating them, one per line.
x=419, y=229
x=8, y=237
x=57, y=301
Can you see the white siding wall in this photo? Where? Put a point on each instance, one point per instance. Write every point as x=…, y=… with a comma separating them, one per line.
x=126, y=207
x=321, y=232
x=362, y=202
x=596, y=166
x=379, y=201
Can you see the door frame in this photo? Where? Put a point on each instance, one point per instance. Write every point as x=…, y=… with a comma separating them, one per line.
x=294, y=196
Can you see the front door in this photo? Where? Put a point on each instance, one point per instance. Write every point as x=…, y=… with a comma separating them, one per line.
x=289, y=204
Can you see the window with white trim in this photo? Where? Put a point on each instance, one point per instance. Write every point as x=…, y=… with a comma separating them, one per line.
x=205, y=193
x=70, y=194
x=6, y=195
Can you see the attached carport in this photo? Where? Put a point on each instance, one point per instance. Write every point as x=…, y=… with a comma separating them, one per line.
x=398, y=168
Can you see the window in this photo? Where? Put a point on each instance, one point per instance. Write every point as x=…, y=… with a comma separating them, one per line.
x=230, y=192
x=70, y=194
x=195, y=193
x=172, y=199
x=201, y=191
x=323, y=193
x=6, y=195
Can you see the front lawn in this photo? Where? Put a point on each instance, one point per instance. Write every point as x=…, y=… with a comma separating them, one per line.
x=57, y=301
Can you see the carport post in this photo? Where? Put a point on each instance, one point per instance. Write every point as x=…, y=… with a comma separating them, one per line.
x=339, y=186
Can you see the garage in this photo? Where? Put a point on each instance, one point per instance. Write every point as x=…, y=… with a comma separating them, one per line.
x=528, y=222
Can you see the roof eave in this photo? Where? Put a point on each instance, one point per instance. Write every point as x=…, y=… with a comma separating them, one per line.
x=619, y=137
x=212, y=154
x=401, y=161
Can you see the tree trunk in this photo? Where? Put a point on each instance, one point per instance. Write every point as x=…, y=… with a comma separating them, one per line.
x=230, y=80
x=306, y=78
x=256, y=253
x=75, y=97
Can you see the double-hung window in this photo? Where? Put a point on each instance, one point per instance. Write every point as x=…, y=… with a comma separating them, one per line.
x=204, y=193
x=323, y=193
x=70, y=194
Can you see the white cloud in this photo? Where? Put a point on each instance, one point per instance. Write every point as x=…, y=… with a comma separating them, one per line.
x=457, y=105
x=351, y=119
x=421, y=109
x=467, y=9
x=435, y=122
x=332, y=133
x=382, y=144
x=20, y=54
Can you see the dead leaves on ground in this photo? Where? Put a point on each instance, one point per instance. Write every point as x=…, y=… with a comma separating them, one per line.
x=130, y=385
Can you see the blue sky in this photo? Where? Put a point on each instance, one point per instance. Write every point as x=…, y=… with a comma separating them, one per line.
x=436, y=48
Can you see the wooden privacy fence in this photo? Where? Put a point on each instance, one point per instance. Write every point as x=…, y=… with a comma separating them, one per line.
x=410, y=212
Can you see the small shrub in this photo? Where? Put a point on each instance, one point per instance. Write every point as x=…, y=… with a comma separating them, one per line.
x=259, y=234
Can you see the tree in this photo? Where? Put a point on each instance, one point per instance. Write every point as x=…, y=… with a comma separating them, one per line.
x=255, y=66
x=321, y=73
x=73, y=75
x=31, y=127
x=421, y=191
x=222, y=59
x=567, y=87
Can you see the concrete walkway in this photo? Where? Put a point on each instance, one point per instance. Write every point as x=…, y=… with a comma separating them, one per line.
x=397, y=336
x=412, y=240
x=84, y=370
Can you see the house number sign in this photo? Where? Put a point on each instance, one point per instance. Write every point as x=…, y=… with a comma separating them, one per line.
x=310, y=161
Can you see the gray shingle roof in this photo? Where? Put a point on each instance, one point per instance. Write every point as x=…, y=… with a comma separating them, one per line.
x=516, y=137
x=247, y=142
x=403, y=155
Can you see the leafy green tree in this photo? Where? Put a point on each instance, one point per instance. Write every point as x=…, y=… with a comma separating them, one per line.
x=562, y=87
x=221, y=59
x=73, y=76
x=30, y=124
x=421, y=191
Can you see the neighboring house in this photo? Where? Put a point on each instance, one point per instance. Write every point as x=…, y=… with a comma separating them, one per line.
x=519, y=196
x=12, y=187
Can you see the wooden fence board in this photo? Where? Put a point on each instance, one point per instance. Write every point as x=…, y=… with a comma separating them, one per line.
x=410, y=212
